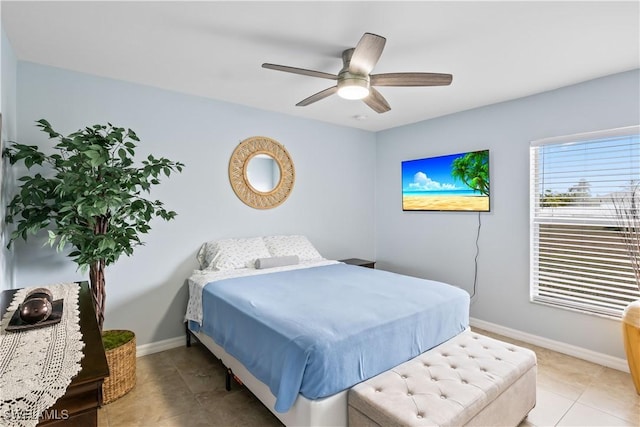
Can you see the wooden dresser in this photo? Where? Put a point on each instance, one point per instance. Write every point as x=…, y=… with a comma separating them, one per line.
x=79, y=406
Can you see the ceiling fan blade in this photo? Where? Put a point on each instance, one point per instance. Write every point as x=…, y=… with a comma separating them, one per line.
x=302, y=71
x=376, y=101
x=317, y=96
x=367, y=53
x=411, y=79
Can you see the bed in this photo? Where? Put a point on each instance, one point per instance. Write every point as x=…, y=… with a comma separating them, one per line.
x=303, y=331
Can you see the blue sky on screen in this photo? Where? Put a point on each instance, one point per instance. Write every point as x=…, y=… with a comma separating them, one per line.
x=431, y=174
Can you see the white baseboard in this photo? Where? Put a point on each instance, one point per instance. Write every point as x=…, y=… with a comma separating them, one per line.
x=158, y=346
x=571, y=350
x=560, y=347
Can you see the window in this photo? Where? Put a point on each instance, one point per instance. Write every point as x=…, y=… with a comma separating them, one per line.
x=579, y=259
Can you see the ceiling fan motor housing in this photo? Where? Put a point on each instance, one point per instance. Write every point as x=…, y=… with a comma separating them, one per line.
x=351, y=85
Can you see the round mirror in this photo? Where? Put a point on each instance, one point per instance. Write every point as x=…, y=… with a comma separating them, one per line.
x=261, y=172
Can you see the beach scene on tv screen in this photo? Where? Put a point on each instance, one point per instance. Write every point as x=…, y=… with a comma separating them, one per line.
x=457, y=182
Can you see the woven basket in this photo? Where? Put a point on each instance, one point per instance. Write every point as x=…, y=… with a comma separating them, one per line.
x=122, y=371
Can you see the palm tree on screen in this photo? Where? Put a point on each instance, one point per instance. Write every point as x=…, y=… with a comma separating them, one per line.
x=473, y=170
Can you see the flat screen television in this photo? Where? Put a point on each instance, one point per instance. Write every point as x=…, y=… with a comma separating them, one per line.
x=456, y=182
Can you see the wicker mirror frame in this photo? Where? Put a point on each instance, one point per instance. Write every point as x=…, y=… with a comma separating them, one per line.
x=239, y=162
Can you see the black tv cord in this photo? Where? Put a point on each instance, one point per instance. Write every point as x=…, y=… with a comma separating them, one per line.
x=475, y=272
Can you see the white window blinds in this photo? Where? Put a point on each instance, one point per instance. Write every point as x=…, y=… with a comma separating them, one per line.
x=579, y=258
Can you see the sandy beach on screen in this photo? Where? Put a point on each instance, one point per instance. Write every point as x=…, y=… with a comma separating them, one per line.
x=462, y=203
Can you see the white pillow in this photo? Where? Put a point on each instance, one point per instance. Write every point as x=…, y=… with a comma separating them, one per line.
x=229, y=254
x=292, y=245
x=205, y=254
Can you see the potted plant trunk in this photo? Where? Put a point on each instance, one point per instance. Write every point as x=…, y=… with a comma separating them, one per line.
x=88, y=195
x=627, y=208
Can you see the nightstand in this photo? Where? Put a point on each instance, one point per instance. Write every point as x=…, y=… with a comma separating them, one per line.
x=359, y=262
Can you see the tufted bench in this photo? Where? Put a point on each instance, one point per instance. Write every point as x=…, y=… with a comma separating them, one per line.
x=469, y=380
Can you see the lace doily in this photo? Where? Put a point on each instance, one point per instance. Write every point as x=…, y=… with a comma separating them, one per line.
x=36, y=366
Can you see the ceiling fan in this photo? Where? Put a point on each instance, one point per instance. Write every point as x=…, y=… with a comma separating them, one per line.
x=354, y=81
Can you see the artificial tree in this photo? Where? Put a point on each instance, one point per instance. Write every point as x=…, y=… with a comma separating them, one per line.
x=88, y=195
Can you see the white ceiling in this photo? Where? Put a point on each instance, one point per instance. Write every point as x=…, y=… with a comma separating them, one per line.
x=496, y=51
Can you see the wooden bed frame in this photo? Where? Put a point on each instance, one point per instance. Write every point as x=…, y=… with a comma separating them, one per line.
x=328, y=411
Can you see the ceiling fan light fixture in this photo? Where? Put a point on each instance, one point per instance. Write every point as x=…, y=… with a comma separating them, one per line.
x=353, y=88
x=355, y=81
x=353, y=92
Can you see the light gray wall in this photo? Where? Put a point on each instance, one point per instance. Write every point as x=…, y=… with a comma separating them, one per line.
x=146, y=292
x=8, y=66
x=441, y=245
x=336, y=210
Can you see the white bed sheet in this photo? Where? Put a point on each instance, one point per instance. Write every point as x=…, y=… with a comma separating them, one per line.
x=200, y=278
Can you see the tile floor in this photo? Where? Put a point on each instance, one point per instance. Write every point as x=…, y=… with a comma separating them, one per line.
x=185, y=387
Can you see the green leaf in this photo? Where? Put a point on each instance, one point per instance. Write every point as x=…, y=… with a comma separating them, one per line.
x=89, y=195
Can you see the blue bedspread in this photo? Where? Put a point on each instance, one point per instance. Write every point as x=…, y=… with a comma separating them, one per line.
x=320, y=330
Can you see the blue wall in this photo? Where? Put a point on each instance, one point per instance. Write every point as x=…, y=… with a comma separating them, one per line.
x=441, y=245
x=332, y=201
x=347, y=196
x=8, y=70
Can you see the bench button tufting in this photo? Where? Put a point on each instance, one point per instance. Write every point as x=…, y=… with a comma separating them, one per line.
x=386, y=408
